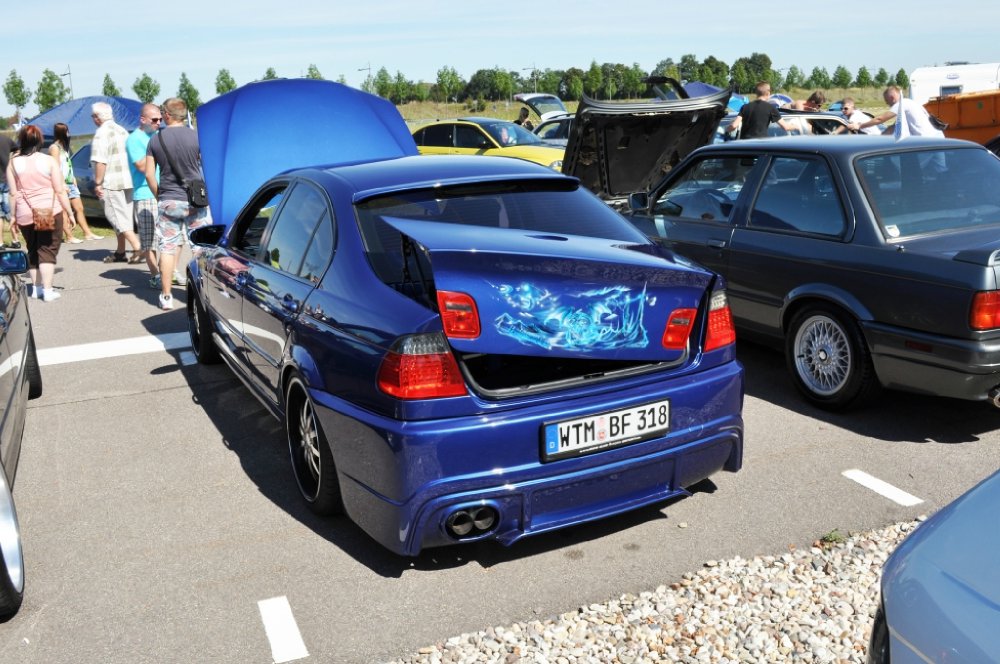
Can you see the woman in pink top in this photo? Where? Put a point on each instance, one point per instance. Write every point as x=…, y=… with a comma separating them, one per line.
x=36, y=181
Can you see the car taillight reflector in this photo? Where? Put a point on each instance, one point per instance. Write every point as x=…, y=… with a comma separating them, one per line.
x=678, y=329
x=459, y=315
x=421, y=366
x=720, y=323
x=985, y=313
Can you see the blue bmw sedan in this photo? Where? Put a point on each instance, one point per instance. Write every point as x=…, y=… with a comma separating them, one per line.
x=460, y=348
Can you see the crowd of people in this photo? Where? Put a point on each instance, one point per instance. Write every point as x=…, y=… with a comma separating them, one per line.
x=911, y=119
x=143, y=179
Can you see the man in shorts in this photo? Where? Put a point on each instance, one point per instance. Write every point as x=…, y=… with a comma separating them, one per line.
x=112, y=182
x=6, y=147
x=175, y=214
x=143, y=200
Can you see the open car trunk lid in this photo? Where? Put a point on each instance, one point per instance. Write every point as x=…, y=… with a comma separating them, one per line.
x=547, y=295
x=618, y=149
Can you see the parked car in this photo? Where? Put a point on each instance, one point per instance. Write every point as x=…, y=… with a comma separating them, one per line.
x=92, y=205
x=22, y=380
x=486, y=136
x=461, y=348
x=873, y=261
x=555, y=129
x=940, y=599
x=543, y=104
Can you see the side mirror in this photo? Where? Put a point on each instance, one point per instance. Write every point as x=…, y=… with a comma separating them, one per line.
x=207, y=235
x=13, y=261
x=638, y=201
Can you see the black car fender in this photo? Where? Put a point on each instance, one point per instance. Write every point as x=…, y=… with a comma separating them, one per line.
x=804, y=294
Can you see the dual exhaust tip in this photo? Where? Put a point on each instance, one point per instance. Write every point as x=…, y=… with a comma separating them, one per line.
x=994, y=396
x=469, y=522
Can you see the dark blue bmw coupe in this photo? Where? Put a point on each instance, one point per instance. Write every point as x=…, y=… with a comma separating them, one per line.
x=461, y=348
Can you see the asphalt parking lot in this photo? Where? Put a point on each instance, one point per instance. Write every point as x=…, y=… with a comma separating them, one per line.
x=162, y=524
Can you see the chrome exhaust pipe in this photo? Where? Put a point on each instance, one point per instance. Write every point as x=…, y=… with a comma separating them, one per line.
x=994, y=397
x=471, y=521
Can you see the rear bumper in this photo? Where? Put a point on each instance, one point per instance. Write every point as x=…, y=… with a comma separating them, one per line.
x=935, y=365
x=401, y=480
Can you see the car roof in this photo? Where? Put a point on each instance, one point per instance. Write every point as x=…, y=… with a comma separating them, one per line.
x=369, y=179
x=481, y=120
x=837, y=145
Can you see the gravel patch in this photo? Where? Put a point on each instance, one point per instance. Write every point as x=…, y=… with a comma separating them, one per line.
x=807, y=605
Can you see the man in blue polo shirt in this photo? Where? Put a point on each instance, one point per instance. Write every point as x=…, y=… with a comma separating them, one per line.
x=143, y=201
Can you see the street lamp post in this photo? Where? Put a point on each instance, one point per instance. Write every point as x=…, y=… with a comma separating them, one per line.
x=369, y=70
x=534, y=75
x=69, y=73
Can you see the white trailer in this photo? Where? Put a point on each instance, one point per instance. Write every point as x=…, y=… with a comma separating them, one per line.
x=953, y=78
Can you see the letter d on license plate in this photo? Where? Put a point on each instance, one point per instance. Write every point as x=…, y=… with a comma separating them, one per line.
x=598, y=432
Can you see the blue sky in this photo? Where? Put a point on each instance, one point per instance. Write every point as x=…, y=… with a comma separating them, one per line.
x=125, y=39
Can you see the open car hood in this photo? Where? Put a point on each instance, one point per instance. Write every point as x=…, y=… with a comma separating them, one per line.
x=261, y=129
x=551, y=295
x=617, y=149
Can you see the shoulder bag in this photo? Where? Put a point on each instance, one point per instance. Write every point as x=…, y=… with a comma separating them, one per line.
x=197, y=195
x=43, y=218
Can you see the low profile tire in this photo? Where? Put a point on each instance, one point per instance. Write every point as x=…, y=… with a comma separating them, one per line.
x=200, y=329
x=878, y=645
x=12, y=558
x=312, y=461
x=33, y=372
x=829, y=360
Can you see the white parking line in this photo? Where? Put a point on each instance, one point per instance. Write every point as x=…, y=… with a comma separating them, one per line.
x=281, y=629
x=882, y=488
x=102, y=349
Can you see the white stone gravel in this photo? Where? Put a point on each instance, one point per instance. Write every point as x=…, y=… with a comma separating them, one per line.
x=807, y=605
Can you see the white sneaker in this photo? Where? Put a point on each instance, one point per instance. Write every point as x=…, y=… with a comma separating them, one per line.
x=34, y=292
x=50, y=295
x=166, y=302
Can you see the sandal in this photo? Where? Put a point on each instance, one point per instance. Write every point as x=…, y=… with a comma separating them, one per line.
x=116, y=258
x=135, y=259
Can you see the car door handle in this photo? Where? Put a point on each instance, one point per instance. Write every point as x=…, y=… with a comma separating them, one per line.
x=717, y=244
x=242, y=279
x=288, y=303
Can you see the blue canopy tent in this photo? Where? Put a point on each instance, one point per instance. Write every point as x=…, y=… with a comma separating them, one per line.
x=76, y=114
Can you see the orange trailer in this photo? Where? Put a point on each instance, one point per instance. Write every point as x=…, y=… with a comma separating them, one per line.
x=973, y=116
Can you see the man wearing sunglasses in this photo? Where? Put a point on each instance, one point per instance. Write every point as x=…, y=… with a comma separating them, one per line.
x=144, y=202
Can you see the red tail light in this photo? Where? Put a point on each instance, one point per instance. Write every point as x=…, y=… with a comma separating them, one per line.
x=720, y=323
x=675, y=335
x=459, y=315
x=421, y=366
x=985, y=313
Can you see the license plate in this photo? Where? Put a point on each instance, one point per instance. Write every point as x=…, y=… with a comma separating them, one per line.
x=598, y=432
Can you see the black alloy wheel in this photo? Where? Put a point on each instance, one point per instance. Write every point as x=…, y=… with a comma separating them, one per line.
x=309, y=451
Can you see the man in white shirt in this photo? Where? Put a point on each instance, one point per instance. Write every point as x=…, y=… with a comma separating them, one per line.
x=112, y=180
x=912, y=119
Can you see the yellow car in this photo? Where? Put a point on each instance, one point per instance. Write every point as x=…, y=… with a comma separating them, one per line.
x=486, y=136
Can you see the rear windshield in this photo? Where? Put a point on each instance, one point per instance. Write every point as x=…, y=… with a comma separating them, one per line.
x=932, y=191
x=558, y=207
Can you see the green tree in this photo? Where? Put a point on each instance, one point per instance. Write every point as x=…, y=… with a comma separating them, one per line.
x=714, y=72
x=665, y=67
x=819, y=78
x=224, y=82
x=402, y=89
x=742, y=76
x=841, y=77
x=146, y=89
x=593, y=81
x=109, y=89
x=632, y=81
x=421, y=90
x=688, y=67
x=881, y=78
x=16, y=92
x=270, y=74
x=863, y=79
x=313, y=73
x=342, y=79
x=613, y=80
x=550, y=80
x=794, y=78
x=51, y=91
x=189, y=93
x=902, y=80
x=571, y=88
x=449, y=84
x=383, y=83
